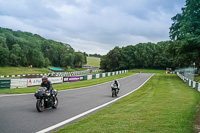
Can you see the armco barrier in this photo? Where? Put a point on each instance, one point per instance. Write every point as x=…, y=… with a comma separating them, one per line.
x=5, y=84
x=94, y=76
x=97, y=76
x=89, y=77
x=60, y=74
x=85, y=77
x=100, y=75
x=191, y=83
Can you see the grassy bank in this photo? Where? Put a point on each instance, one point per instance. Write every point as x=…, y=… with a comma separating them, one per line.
x=25, y=70
x=68, y=85
x=93, y=61
x=22, y=70
x=165, y=104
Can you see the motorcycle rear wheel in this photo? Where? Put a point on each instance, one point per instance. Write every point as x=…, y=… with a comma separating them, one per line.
x=40, y=106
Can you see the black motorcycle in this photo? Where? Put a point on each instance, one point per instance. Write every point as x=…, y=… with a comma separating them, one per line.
x=115, y=90
x=45, y=99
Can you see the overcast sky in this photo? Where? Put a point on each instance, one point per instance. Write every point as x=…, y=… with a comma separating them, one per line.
x=92, y=26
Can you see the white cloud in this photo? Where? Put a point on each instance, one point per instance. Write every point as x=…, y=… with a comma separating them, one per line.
x=92, y=26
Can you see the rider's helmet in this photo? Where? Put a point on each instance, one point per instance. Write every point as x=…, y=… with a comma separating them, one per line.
x=115, y=80
x=44, y=79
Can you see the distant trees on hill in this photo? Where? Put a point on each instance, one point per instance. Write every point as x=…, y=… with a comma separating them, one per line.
x=142, y=55
x=23, y=49
x=95, y=55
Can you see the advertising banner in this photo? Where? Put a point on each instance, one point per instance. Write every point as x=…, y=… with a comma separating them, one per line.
x=72, y=78
x=18, y=83
x=34, y=81
x=56, y=79
x=38, y=81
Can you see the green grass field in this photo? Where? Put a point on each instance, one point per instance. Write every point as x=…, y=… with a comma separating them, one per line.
x=25, y=70
x=22, y=70
x=93, y=61
x=165, y=104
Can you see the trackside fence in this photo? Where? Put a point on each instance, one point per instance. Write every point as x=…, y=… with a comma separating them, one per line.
x=190, y=82
x=26, y=82
x=100, y=75
x=57, y=74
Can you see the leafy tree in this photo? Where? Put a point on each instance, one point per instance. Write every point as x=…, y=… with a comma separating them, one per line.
x=111, y=61
x=4, y=52
x=15, y=55
x=186, y=30
x=128, y=59
x=47, y=62
x=79, y=59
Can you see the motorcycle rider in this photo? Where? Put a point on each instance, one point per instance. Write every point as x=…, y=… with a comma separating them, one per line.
x=117, y=83
x=46, y=83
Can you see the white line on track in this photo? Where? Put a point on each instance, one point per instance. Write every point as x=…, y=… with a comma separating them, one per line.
x=87, y=112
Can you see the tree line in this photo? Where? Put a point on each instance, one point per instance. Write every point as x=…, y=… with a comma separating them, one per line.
x=142, y=55
x=23, y=49
x=183, y=50
x=95, y=55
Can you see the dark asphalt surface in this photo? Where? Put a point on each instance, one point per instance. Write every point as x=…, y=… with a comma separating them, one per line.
x=18, y=113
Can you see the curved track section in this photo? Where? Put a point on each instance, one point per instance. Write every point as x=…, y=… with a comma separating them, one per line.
x=18, y=112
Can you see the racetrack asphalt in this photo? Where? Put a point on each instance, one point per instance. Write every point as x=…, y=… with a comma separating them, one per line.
x=18, y=113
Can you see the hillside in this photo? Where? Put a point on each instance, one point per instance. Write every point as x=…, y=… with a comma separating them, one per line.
x=93, y=61
x=19, y=48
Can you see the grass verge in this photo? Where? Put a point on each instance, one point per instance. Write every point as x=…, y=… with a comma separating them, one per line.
x=197, y=79
x=165, y=104
x=148, y=71
x=67, y=85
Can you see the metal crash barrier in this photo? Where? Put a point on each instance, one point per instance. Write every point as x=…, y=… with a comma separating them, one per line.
x=5, y=84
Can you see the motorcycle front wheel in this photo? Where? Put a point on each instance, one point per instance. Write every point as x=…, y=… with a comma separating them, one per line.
x=40, y=105
x=113, y=93
x=55, y=105
x=117, y=91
